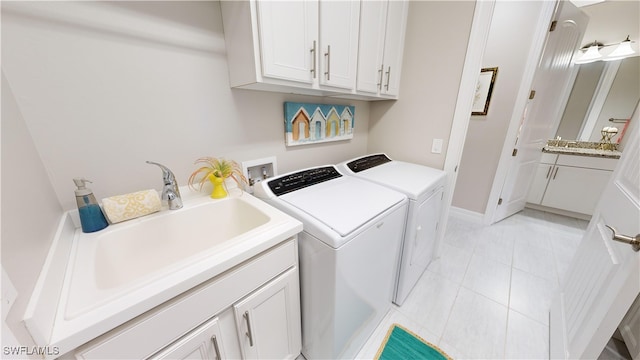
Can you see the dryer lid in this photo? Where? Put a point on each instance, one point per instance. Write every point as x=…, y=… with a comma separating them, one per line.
x=412, y=179
x=344, y=204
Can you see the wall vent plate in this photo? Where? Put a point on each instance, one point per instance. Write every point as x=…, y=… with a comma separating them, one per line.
x=258, y=170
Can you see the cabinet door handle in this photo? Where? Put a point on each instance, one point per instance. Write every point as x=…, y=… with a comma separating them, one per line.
x=380, y=72
x=328, y=56
x=555, y=173
x=249, y=333
x=215, y=347
x=386, y=87
x=313, y=57
x=549, y=172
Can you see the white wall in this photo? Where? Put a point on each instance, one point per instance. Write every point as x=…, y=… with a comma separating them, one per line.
x=99, y=88
x=105, y=86
x=435, y=47
x=30, y=210
x=509, y=40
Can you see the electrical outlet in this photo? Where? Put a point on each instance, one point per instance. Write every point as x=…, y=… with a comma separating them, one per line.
x=436, y=147
x=258, y=170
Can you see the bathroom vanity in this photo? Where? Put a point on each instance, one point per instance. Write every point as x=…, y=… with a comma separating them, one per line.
x=570, y=178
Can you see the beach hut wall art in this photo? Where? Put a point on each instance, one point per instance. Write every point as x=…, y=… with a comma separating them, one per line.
x=306, y=123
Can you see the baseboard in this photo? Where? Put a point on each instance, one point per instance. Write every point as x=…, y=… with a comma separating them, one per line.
x=467, y=215
x=559, y=211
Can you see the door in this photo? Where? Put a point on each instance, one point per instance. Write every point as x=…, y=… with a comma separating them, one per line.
x=551, y=78
x=338, y=55
x=268, y=320
x=205, y=342
x=604, y=278
x=288, y=32
x=393, y=46
x=371, y=45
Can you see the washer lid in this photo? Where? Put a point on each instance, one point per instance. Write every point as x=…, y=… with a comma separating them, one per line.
x=344, y=204
x=411, y=179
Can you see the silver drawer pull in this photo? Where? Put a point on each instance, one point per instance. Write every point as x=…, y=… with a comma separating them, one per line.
x=215, y=347
x=313, y=56
x=328, y=56
x=388, y=78
x=633, y=241
x=249, y=334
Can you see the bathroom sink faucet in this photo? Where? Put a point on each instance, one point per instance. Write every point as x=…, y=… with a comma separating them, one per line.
x=170, y=191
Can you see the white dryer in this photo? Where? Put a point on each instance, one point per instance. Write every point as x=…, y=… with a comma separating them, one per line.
x=425, y=187
x=348, y=254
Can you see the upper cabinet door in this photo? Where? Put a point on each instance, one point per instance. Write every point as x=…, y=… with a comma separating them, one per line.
x=394, y=46
x=339, y=43
x=288, y=31
x=382, y=29
x=373, y=17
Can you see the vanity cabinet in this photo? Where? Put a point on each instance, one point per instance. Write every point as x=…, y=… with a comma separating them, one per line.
x=570, y=182
x=251, y=311
x=309, y=45
x=381, y=46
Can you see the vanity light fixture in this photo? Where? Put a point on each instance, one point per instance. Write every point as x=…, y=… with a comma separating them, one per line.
x=592, y=54
x=622, y=51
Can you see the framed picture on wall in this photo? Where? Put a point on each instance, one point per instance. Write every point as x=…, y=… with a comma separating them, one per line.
x=484, y=89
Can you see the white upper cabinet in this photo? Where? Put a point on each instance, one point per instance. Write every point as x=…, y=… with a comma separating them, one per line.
x=312, y=47
x=339, y=43
x=287, y=41
x=381, y=46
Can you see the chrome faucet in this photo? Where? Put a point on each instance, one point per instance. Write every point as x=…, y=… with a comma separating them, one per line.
x=170, y=191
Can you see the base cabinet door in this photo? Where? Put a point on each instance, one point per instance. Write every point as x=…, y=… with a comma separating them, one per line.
x=205, y=342
x=268, y=320
x=575, y=189
x=539, y=183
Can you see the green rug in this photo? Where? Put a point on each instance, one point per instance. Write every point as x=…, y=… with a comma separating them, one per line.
x=401, y=343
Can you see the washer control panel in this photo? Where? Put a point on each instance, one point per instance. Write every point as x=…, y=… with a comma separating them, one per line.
x=302, y=179
x=367, y=162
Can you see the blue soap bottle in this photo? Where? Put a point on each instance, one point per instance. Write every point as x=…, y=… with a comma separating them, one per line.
x=91, y=216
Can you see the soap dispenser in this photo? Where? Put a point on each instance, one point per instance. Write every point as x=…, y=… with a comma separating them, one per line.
x=91, y=216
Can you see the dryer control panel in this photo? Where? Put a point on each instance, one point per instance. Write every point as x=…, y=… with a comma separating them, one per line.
x=367, y=162
x=302, y=179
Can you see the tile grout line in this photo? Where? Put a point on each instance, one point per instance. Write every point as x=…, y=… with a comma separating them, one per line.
x=446, y=323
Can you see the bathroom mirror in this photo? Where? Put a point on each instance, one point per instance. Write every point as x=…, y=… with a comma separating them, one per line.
x=601, y=91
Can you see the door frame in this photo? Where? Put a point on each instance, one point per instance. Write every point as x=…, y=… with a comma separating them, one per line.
x=478, y=36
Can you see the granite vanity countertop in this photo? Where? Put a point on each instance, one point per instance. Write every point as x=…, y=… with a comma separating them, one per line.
x=580, y=148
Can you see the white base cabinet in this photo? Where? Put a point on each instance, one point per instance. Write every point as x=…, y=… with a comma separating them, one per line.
x=570, y=182
x=252, y=311
x=268, y=325
x=205, y=342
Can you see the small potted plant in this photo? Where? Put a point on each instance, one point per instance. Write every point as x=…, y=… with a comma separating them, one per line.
x=216, y=170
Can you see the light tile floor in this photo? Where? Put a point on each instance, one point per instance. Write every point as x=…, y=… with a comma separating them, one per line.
x=488, y=295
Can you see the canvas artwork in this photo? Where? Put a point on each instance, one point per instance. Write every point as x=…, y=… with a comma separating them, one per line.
x=315, y=123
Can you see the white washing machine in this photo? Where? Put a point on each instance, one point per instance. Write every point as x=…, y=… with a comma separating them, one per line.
x=348, y=254
x=424, y=186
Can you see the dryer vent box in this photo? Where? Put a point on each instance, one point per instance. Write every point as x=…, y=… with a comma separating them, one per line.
x=258, y=170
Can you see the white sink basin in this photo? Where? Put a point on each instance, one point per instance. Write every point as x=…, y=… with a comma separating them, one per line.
x=173, y=250
x=131, y=252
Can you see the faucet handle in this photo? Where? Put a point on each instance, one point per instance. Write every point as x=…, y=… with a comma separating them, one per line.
x=167, y=175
